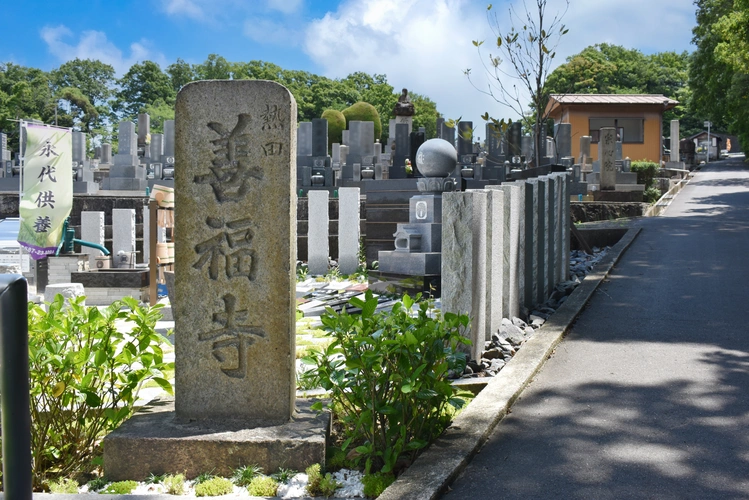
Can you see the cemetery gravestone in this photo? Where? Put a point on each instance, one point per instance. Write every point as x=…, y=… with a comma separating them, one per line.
x=317, y=233
x=235, y=302
x=236, y=195
x=607, y=148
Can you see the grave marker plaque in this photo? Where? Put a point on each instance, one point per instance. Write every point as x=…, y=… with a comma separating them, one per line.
x=236, y=248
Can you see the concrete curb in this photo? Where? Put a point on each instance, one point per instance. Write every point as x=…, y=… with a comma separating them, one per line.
x=662, y=204
x=443, y=461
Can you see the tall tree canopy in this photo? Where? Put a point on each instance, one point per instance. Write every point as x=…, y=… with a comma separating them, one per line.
x=719, y=70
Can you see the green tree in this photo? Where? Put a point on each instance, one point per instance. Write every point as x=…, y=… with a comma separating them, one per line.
x=425, y=114
x=733, y=28
x=180, y=73
x=717, y=76
x=87, y=85
x=215, y=67
x=143, y=84
x=26, y=93
x=529, y=52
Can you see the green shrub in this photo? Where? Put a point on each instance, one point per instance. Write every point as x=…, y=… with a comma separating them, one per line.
x=646, y=171
x=263, y=486
x=85, y=377
x=214, y=487
x=283, y=476
x=245, y=474
x=319, y=484
x=336, y=125
x=63, y=485
x=651, y=194
x=375, y=484
x=387, y=377
x=97, y=484
x=119, y=488
x=365, y=112
x=174, y=484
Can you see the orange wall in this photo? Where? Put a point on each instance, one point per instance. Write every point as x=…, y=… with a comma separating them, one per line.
x=578, y=117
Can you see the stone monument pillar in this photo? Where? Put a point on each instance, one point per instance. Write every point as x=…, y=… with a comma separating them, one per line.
x=607, y=147
x=236, y=242
x=235, y=305
x=674, y=140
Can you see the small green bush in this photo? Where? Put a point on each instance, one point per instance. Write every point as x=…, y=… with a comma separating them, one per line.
x=387, y=377
x=174, y=484
x=319, y=484
x=328, y=485
x=375, y=484
x=63, y=485
x=336, y=125
x=646, y=171
x=651, y=194
x=283, y=476
x=263, y=486
x=97, y=484
x=214, y=487
x=85, y=376
x=365, y=112
x=119, y=488
x=245, y=474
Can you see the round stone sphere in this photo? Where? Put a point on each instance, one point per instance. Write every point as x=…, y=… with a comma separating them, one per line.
x=436, y=158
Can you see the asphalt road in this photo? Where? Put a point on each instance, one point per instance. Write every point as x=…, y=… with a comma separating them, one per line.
x=648, y=396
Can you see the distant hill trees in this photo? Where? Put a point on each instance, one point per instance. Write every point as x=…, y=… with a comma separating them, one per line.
x=86, y=95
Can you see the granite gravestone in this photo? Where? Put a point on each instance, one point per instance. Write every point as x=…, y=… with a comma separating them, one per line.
x=607, y=147
x=235, y=240
x=234, y=296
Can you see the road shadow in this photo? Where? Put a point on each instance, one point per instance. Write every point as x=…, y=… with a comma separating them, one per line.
x=604, y=440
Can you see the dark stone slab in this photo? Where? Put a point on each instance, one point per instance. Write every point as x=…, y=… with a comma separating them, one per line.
x=127, y=278
x=398, y=284
x=411, y=264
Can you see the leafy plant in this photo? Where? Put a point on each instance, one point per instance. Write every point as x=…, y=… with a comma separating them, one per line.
x=387, y=376
x=651, y=194
x=319, y=484
x=283, y=476
x=63, y=485
x=245, y=474
x=375, y=484
x=174, y=484
x=119, y=488
x=646, y=171
x=214, y=487
x=155, y=478
x=262, y=486
x=204, y=476
x=97, y=484
x=85, y=376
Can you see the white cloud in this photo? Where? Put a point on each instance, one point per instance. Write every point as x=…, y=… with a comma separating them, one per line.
x=285, y=6
x=189, y=8
x=425, y=45
x=95, y=45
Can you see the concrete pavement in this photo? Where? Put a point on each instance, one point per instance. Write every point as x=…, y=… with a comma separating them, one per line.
x=648, y=396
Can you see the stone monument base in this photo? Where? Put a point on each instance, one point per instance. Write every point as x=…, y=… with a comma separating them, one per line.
x=153, y=442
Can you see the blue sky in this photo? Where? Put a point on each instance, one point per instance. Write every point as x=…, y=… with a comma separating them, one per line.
x=423, y=45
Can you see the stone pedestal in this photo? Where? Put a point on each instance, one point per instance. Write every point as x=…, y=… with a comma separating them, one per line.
x=154, y=441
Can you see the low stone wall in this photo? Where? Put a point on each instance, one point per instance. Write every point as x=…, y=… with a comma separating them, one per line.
x=588, y=211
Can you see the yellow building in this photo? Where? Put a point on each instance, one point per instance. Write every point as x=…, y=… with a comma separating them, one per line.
x=638, y=119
